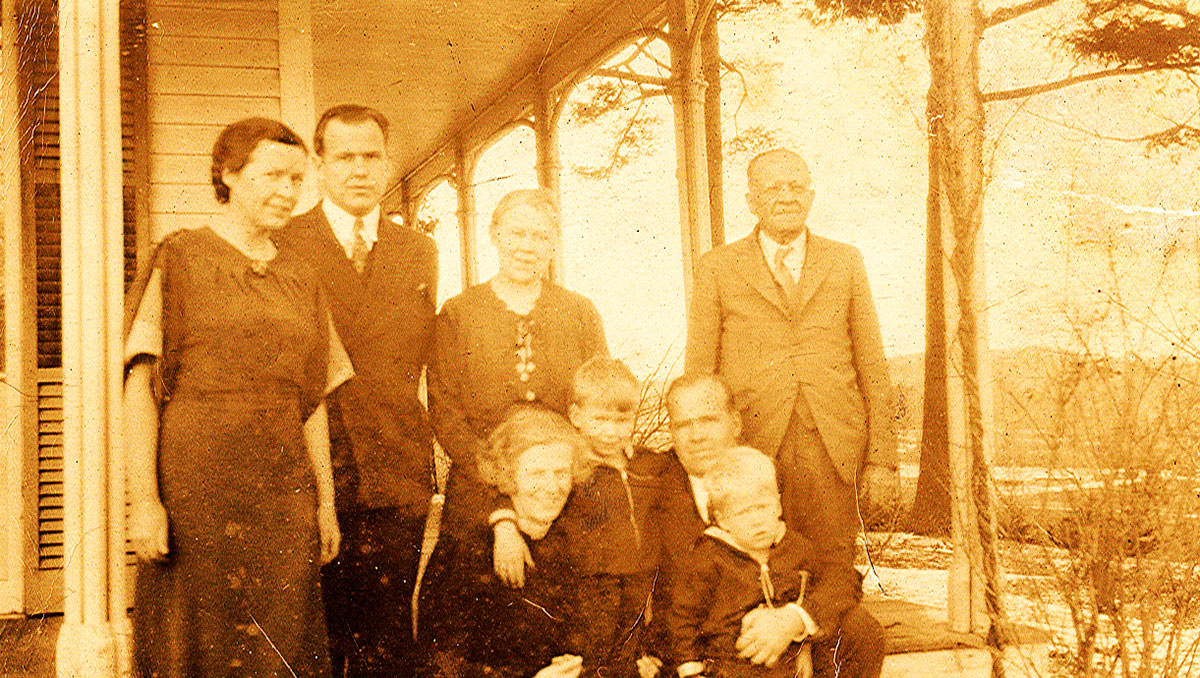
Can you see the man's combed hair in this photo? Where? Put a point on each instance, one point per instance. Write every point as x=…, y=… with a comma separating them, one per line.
x=605, y=382
x=741, y=469
x=694, y=379
x=350, y=114
x=528, y=426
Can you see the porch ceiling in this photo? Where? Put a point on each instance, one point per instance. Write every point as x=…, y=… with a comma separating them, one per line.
x=441, y=67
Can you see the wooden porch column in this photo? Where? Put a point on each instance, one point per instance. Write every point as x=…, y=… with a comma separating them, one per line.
x=549, y=167
x=19, y=404
x=409, y=204
x=710, y=46
x=464, y=184
x=686, y=23
x=94, y=640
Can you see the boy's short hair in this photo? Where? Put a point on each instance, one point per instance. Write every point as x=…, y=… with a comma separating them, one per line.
x=741, y=469
x=605, y=382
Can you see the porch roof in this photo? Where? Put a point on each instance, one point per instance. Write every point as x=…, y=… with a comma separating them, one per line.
x=444, y=68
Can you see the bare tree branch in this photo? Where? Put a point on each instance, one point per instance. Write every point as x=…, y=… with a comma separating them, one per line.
x=1022, y=92
x=1002, y=14
x=630, y=76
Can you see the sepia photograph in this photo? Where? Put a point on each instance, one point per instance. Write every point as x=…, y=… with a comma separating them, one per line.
x=600, y=338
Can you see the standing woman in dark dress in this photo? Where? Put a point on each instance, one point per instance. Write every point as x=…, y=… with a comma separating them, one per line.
x=517, y=338
x=230, y=354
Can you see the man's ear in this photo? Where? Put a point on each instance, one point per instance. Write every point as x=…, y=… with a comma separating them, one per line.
x=574, y=415
x=737, y=424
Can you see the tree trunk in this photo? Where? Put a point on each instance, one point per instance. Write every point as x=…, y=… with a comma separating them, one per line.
x=930, y=512
x=954, y=29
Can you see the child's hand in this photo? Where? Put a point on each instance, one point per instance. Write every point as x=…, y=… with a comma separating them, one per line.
x=648, y=666
x=562, y=666
x=804, y=665
x=510, y=554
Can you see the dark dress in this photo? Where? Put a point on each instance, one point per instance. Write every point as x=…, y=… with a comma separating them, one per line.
x=487, y=359
x=474, y=626
x=244, y=361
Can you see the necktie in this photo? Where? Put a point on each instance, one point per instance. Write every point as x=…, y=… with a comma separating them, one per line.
x=358, y=247
x=784, y=274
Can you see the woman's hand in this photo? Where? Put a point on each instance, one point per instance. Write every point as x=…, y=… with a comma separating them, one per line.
x=510, y=554
x=148, y=529
x=648, y=666
x=331, y=536
x=562, y=666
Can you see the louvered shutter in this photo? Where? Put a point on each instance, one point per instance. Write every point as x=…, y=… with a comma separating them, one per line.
x=39, y=59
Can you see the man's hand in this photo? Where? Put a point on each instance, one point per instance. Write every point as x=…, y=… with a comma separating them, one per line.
x=767, y=632
x=648, y=666
x=510, y=554
x=879, y=489
x=148, y=530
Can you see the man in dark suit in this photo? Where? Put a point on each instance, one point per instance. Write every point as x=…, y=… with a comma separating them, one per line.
x=381, y=282
x=786, y=317
x=705, y=426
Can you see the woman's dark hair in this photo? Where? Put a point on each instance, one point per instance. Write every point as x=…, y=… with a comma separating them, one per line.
x=238, y=140
x=528, y=426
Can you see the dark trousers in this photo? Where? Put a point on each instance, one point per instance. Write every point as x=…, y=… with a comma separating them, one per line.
x=368, y=593
x=854, y=650
x=817, y=503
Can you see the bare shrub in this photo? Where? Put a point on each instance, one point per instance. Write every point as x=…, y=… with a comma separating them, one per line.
x=1117, y=517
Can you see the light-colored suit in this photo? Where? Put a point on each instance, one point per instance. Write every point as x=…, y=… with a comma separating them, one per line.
x=824, y=346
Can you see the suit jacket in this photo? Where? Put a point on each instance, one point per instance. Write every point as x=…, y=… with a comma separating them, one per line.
x=381, y=441
x=823, y=346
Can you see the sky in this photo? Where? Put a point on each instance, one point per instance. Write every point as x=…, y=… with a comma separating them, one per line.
x=1074, y=224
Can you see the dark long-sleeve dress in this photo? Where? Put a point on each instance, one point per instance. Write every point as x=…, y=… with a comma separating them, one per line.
x=487, y=359
x=475, y=626
x=245, y=356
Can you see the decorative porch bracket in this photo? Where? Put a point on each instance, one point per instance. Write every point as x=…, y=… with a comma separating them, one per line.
x=94, y=639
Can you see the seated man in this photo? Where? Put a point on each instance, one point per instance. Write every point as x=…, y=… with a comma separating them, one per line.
x=748, y=563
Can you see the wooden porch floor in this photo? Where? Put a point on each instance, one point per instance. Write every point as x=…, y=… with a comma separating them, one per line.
x=27, y=646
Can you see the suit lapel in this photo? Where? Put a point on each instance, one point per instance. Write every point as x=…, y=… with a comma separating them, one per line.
x=817, y=266
x=344, y=284
x=386, y=276
x=753, y=267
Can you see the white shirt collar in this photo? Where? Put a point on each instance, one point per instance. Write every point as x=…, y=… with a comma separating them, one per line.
x=342, y=223
x=794, y=261
x=700, y=495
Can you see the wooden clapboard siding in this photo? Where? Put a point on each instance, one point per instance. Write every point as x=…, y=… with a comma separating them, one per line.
x=210, y=63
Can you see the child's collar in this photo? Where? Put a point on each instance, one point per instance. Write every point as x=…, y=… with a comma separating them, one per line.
x=716, y=532
x=629, y=452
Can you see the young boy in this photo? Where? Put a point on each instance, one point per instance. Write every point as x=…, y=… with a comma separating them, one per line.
x=749, y=562
x=608, y=519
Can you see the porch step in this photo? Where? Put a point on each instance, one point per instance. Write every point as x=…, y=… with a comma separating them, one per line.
x=920, y=646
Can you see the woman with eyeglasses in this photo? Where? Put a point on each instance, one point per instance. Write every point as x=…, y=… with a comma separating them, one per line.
x=517, y=338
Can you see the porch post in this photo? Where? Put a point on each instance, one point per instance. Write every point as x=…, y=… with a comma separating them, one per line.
x=545, y=130
x=464, y=183
x=710, y=46
x=691, y=156
x=94, y=639
x=18, y=403
x=297, y=100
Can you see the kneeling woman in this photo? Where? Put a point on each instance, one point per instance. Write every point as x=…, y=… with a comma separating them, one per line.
x=471, y=623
